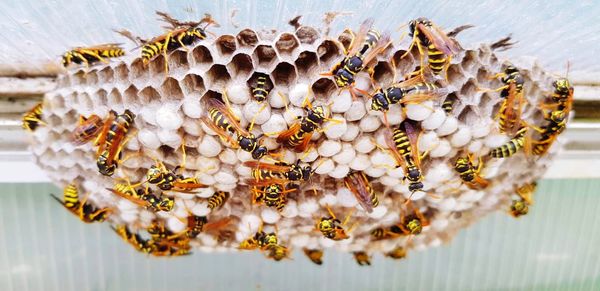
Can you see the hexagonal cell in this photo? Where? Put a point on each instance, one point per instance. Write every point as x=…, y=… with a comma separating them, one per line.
x=157, y=66
x=100, y=98
x=210, y=94
x=78, y=78
x=192, y=83
x=121, y=72
x=106, y=75
x=253, y=80
x=148, y=95
x=201, y=55
x=241, y=65
x=264, y=55
x=489, y=104
x=284, y=74
x=217, y=75
x=286, y=44
x=131, y=95
x=345, y=38
x=455, y=75
x=469, y=88
x=114, y=97
x=138, y=70
x=482, y=74
x=469, y=60
x=403, y=65
x=383, y=73
x=328, y=50
x=454, y=99
x=323, y=88
x=84, y=101
x=91, y=78
x=170, y=89
x=226, y=45
x=247, y=38
x=307, y=35
x=178, y=61
x=307, y=61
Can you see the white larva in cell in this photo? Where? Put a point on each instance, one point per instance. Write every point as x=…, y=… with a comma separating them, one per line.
x=259, y=112
x=364, y=144
x=206, y=179
x=238, y=94
x=307, y=208
x=251, y=222
x=360, y=162
x=300, y=240
x=438, y=172
x=192, y=108
x=351, y=133
x=175, y=225
x=170, y=138
x=475, y=146
x=148, y=113
x=310, y=155
x=396, y=172
x=132, y=145
x=293, y=115
x=439, y=224
x=270, y=215
x=210, y=146
x=168, y=116
x=369, y=123
x=414, y=196
x=226, y=187
x=442, y=149
x=449, y=126
x=228, y=156
x=339, y=172
x=207, y=240
x=290, y=210
x=362, y=81
x=325, y=242
x=343, y=103
x=378, y=212
x=346, y=155
x=298, y=94
x=329, y=199
x=447, y=204
x=148, y=139
x=207, y=165
x=419, y=111
x=326, y=166
x=495, y=140
x=461, y=137
x=480, y=129
x=355, y=112
x=225, y=177
x=345, y=197
x=328, y=148
x=389, y=181
x=334, y=129
x=382, y=160
x=428, y=141
x=435, y=120
x=275, y=124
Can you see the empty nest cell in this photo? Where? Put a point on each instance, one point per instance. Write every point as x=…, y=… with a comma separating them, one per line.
x=306, y=62
x=323, y=88
x=328, y=50
x=226, y=45
x=131, y=95
x=170, y=90
x=383, y=73
x=192, y=83
x=149, y=95
x=264, y=55
x=178, y=61
x=286, y=44
x=201, y=55
x=247, y=38
x=106, y=75
x=307, y=35
x=284, y=74
x=241, y=65
x=217, y=76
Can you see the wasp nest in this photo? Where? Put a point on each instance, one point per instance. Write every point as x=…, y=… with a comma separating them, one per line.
x=168, y=107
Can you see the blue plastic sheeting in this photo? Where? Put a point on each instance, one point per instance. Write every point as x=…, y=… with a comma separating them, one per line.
x=37, y=32
x=43, y=247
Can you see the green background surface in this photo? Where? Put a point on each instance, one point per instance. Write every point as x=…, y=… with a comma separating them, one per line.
x=555, y=247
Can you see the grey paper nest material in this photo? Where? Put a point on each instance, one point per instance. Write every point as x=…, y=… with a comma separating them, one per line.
x=169, y=107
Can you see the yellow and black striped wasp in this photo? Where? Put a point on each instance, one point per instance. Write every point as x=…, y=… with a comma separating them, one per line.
x=469, y=173
x=520, y=207
x=403, y=143
x=513, y=145
x=265, y=242
x=331, y=227
x=87, y=129
x=179, y=34
x=414, y=90
x=80, y=208
x=298, y=136
x=134, y=239
x=261, y=86
x=512, y=93
x=33, y=118
x=440, y=47
x=158, y=245
x=409, y=224
x=224, y=122
x=143, y=197
x=272, y=193
x=359, y=185
x=363, y=49
x=315, y=256
x=90, y=55
x=168, y=180
x=280, y=171
x=111, y=141
x=362, y=258
x=217, y=200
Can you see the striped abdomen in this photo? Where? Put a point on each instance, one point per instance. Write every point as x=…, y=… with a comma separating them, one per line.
x=447, y=106
x=220, y=120
x=403, y=145
x=71, y=196
x=260, y=92
x=31, y=119
x=504, y=121
x=511, y=147
x=373, y=36
x=218, y=199
x=436, y=59
x=150, y=50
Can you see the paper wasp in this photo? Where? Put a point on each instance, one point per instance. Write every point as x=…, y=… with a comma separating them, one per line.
x=469, y=173
x=143, y=197
x=180, y=34
x=168, y=180
x=158, y=245
x=261, y=87
x=266, y=242
x=440, y=48
x=223, y=122
x=90, y=55
x=403, y=143
x=411, y=224
x=362, y=258
x=397, y=253
x=80, y=208
x=512, y=146
x=111, y=141
x=520, y=207
x=217, y=200
x=331, y=227
x=272, y=195
x=87, y=129
x=510, y=111
x=359, y=185
x=298, y=136
x=33, y=118
x=279, y=171
x=316, y=256
x=363, y=49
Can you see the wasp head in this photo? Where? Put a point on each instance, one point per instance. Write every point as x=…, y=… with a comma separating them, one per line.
x=561, y=86
x=165, y=204
x=104, y=168
x=379, y=102
x=511, y=69
x=67, y=58
x=307, y=172
x=278, y=252
x=154, y=175
x=519, y=207
x=259, y=152
x=317, y=114
x=414, y=226
x=343, y=78
x=414, y=174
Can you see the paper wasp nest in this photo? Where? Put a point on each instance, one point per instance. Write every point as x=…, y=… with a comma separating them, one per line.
x=168, y=107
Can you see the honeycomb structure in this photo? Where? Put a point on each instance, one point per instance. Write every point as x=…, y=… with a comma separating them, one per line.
x=168, y=107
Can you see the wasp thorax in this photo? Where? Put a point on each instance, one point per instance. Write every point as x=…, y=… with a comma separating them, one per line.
x=414, y=226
